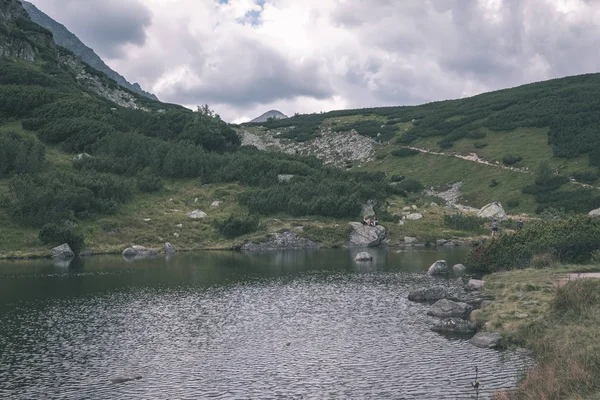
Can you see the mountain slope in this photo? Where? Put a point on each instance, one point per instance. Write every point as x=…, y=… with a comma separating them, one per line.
x=274, y=114
x=63, y=37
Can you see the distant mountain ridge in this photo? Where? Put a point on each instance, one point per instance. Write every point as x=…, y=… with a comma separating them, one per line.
x=274, y=114
x=65, y=38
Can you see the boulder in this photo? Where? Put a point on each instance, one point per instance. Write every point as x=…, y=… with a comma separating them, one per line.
x=62, y=252
x=594, y=213
x=445, y=308
x=410, y=240
x=81, y=156
x=473, y=285
x=366, y=236
x=364, y=256
x=455, y=325
x=441, y=242
x=285, y=177
x=429, y=294
x=486, y=340
x=459, y=270
x=414, y=207
x=493, y=211
x=434, y=204
x=216, y=204
x=197, y=214
x=169, y=248
x=439, y=267
x=179, y=226
x=139, y=251
x=414, y=216
x=406, y=209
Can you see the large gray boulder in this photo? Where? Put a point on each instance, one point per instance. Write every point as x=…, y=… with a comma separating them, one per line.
x=439, y=267
x=594, y=213
x=445, y=308
x=414, y=216
x=474, y=285
x=459, y=270
x=62, y=252
x=366, y=236
x=428, y=294
x=197, y=214
x=139, y=251
x=486, y=340
x=455, y=325
x=493, y=211
x=364, y=256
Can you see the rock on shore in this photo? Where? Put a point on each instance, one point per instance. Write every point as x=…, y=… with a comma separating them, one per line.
x=439, y=267
x=454, y=325
x=139, y=251
x=364, y=256
x=445, y=308
x=366, y=236
x=281, y=241
x=486, y=340
x=62, y=252
x=428, y=294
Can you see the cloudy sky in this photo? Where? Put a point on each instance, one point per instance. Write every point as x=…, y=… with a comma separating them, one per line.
x=244, y=57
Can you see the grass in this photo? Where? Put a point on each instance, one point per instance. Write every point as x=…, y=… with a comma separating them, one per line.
x=559, y=324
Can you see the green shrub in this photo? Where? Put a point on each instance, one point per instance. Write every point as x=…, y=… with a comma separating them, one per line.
x=462, y=222
x=410, y=186
x=55, y=235
x=493, y=183
x=480, y=145
x=148, y=182
x=397, y=178
x=20, y=153
x=512, y=203
x=404, y=152
x=586, y=176
x=511, y=159
x=237, y=225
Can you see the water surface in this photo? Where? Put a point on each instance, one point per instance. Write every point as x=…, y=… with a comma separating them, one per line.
x=301, y=325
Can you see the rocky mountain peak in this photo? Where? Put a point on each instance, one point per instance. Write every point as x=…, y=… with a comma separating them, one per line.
x=273, y=114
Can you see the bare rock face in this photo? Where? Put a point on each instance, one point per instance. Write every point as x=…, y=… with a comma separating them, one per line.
x=445, y=308
x=493, y=211
x=62, y=252
x=486, y=340
x=366, y=236
x=364, y=256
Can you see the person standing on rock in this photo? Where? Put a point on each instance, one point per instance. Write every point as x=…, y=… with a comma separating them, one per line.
x=494, y=227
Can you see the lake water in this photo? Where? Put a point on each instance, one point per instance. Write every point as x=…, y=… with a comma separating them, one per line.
x=225, y=325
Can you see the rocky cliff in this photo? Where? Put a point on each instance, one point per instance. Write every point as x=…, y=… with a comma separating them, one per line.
x=19, y=36
x=274, y=114
x=63, y=37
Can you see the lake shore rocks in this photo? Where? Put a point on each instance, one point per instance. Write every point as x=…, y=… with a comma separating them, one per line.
x=62, y=252
x=281, y=241
x=439, y=267
x=454, y=326
x=445, y=308
x=474, y=285
x=493, y=211
x=139, y=251
x=459, y=270
x=486, y=340
x=364, y=256
x=366, y=236
x=428, y=294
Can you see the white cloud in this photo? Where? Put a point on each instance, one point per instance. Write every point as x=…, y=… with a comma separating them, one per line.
x=244, y=57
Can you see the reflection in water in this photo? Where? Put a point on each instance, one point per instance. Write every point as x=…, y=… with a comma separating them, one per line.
x=303, y=324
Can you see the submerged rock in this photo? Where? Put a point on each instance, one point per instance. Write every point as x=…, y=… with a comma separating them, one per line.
x=429, y=294
x=445, y=308
x=439, y=267
x=486, y=340
x=366, y=236
x=281, y=241
x=364, y=256
x=454, y=325
x=62, y=252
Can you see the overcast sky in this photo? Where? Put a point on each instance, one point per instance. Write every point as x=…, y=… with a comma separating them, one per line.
x=244, y=57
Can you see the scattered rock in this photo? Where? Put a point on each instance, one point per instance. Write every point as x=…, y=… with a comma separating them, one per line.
x=445, y=308
x=439, y=267
x=493, y=211
x=281, y=241
x=169, y=248
x=410, y=240
x=366, y=236
x=486, y=340
x=459, y=270
x=473, y=285
x=433, y=204
x=139, y=251
x=450, y=244
x=176, y=235
x=216, y=204
x=364, y=256
x=414, y=216
x=594, y=213
x=195, y=200
x=81, y=156
x=147, y=219
x=179, y=226
x=429, y=294
x=285, y=177
x=401, y=222
x=62, y=252
x=414, y=207
x=454, y=325
x=441, y=242
x=406, y=209
x=197, y=214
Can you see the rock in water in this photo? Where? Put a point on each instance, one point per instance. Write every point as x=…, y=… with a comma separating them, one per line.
x=366, y=236
x=486, y=340
x=197, y=214
x=428, y=294
x=62, y=252
x=169, y=248
x=445, y=308
x=139, y=251
x=459, y=270
x=364, y=256
x=473, y=285
x=454, y=325
x=439, y=267
x=493, y=211
x=414, y=217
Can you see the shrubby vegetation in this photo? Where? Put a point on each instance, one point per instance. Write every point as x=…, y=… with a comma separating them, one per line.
x=237, y=225
x=404, y=152
x=462, y=222
x=20, y=154
x=569, y=241
x=54, y=235
x=511, y=159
